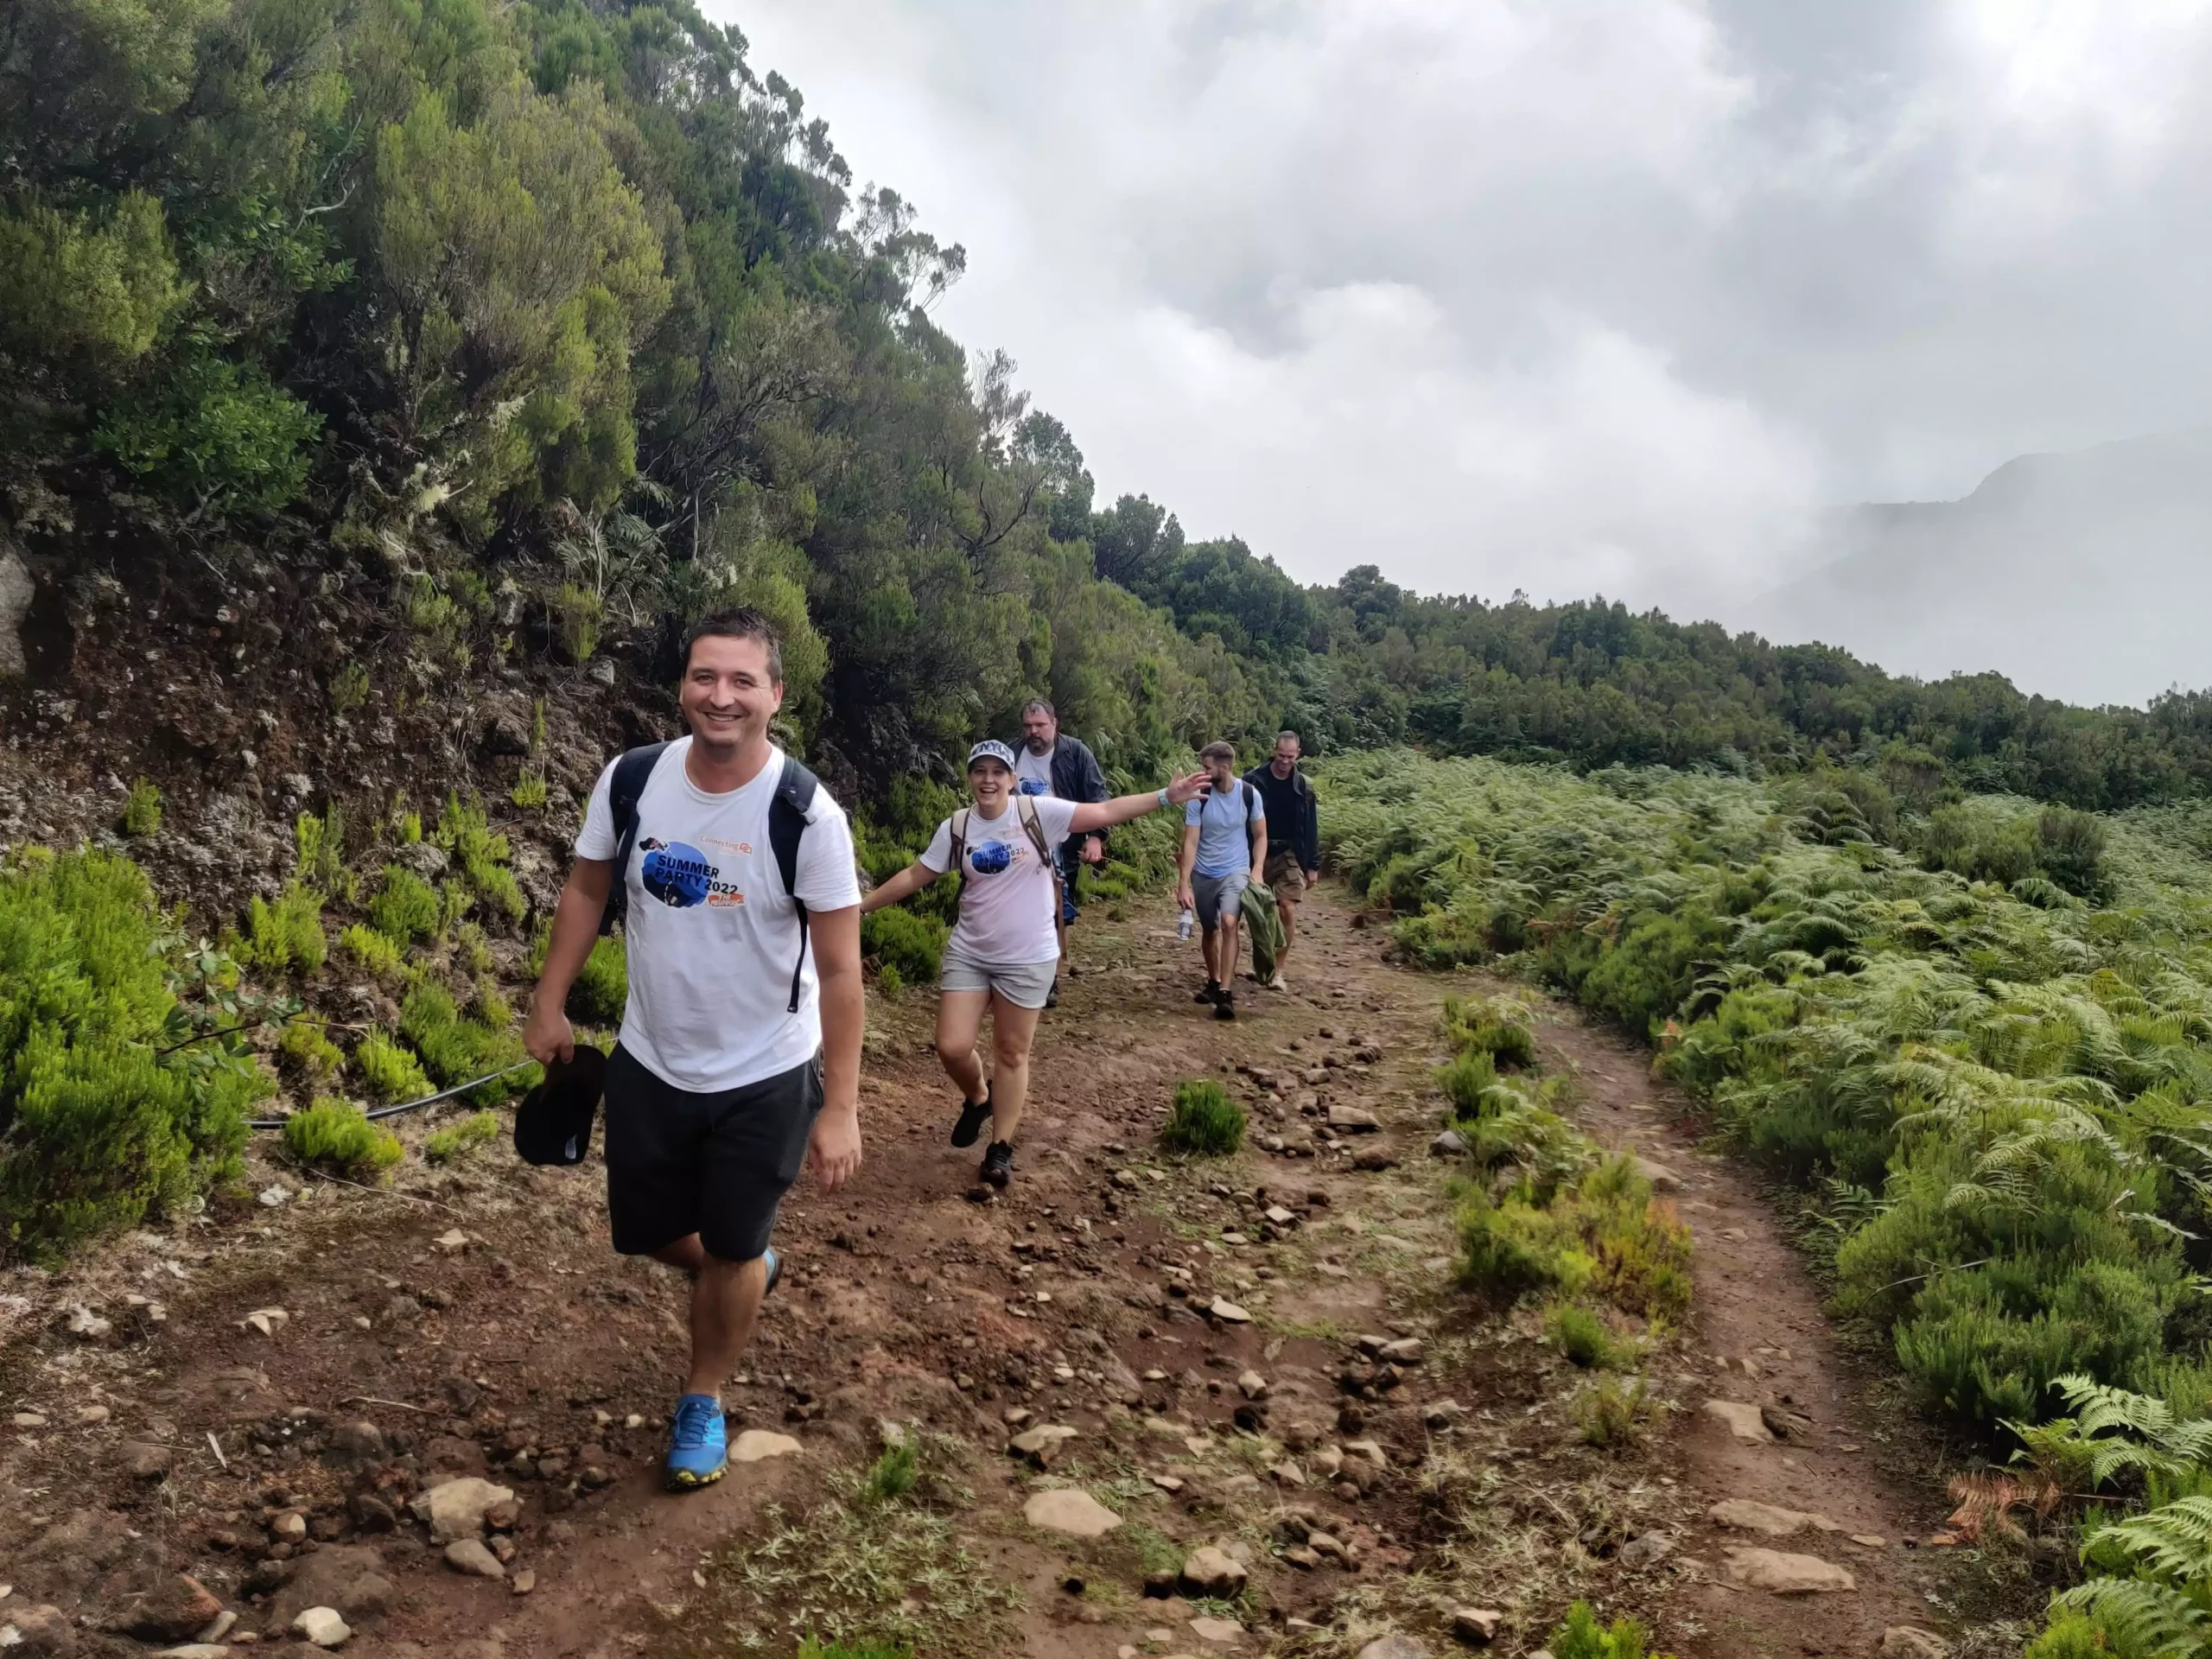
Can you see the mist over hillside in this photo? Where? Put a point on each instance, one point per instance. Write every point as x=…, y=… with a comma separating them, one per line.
x=2085, y=575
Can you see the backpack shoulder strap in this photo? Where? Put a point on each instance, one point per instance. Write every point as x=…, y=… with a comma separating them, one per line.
x=788, y=813
x=957, y=825
x=624, y=791
x=1026, y=806
x=1251, y=806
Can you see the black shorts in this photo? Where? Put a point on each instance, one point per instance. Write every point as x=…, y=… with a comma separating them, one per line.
x=717, y=1165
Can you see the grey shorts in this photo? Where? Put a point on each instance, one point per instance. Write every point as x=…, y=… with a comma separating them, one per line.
x=1024, y=984
x=1220, y=898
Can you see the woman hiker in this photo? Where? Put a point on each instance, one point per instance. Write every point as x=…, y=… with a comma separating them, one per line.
x=1004, y=948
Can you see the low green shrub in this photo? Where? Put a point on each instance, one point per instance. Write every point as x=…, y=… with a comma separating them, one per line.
x=457, y=1141
x=1496, y=1029
x=287, y=934
x=531, y=793
x=900, y=938
x=1611, y=1412
x=812, y=1648
x=141, y=809
x=349, y=688
x=1204, y=1119
x=454, y=1049
x=892, y=1475
x=97, y=1129
x=320, y=840
x=467, y=836
x=387, y=1070
x=603, y=987
x=472, y=950
x=1583, y=1638
x=307, y=1055
x=1442, y=939
x=888, y=981
x=1581, y=1335
x=1606, y=1235
x=334, y=1135
x=406, y=908
x=576, y=614
x=370, y=949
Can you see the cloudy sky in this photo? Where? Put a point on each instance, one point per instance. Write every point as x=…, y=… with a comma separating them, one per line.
x=1540, y=294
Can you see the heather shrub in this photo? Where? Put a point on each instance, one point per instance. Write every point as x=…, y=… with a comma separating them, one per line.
x=335, y=1137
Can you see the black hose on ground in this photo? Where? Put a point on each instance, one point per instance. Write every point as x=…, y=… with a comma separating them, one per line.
x=407, y=1105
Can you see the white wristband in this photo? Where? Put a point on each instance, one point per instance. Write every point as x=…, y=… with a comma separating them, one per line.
x=1163, y=799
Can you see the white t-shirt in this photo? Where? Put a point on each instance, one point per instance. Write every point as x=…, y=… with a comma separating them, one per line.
x=712, y=935
x=1032, y=773
x=1006, y=914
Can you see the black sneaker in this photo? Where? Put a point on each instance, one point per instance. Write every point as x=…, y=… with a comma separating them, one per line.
x=1211, y=994
x=998, y=1163
x=1225, y=1007
x=1052, y=996
x=974, y=1113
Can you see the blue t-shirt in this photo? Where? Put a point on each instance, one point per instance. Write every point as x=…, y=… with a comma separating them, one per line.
x=1224, y=840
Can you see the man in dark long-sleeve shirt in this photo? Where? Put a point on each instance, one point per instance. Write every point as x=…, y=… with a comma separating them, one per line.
x=1048, y=762
x=1293, y=835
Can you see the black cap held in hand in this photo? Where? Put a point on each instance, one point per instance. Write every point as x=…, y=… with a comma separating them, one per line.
x=553, y=1124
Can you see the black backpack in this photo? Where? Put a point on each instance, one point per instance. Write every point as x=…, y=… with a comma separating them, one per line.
x=794, y=799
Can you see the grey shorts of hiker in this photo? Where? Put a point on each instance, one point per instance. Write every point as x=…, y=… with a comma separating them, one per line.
x=1219, y=897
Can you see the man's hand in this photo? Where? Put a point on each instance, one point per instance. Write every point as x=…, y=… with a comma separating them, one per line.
x=1181, y=792
x=1094, y=850
x=1185, y=898
x=833, y=1151
x=1307, y=878
x=547, y=1036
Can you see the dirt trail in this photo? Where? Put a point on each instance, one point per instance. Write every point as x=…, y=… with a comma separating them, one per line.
x=475, y=1323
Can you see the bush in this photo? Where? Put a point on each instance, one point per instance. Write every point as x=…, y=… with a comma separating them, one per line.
x=1606, y=1235
x=406, y=908
x=377, y=954
x=389, y=1071
x=892, y=1475
x=287, y=934
x=334, y=1135
x=530, y=793
x=602, y=988
x=454, y=1049
x=307, y=1055
x=889, y=982
x=219, y=436
x=472, y=950
x=98, y=1130
x=1467, y=1081
x=457, y=1141
x=349, y=688
x=899, y=938
x=1610, y=1414
x=320, y=843
x=1499, y=1030
x=1583, y=1638
x=577, y=614
x=142, y=812
x=1204, y=1119
x=1581, y=1335
x=467, y=836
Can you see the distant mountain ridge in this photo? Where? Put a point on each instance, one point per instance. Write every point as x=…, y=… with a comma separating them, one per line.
x=2086, y=575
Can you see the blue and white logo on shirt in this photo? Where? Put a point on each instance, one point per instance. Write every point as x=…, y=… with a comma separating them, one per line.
x=676, y=872
x=991, y=858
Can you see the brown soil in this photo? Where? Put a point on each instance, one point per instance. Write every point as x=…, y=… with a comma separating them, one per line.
x=907, y=1300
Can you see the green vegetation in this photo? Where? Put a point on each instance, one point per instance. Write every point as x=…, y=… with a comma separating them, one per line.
x=454, y=1049
x=456, y=1140
x=1583, y=1638
x=370, y=949
x=406, y=908
x=602, y=988
x=902, y=942
x=1993, y=1091
x=1611, y=1411
x=389, y=1071
x=288, y=934
x=307, y=1055
x=467, y=836
x=1580, y=1334
x=98, y=1128
x=893, y=1474
x=141, y=809
x=334, y=1136
x=1204, y=1119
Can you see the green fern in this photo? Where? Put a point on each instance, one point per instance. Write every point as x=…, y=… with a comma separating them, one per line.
x=2140, y=1617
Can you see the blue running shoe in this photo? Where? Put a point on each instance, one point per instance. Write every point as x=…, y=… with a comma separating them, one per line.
x=698, y=1445
x=775, y=1269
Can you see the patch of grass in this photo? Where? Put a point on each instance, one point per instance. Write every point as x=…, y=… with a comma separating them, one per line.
x=349, y=688
x=1580, y=1334
x=1604, y=1234
x=307, y=1055
x=577, y=614
x=454, y=1049
x=864, y=1577
x=141, y=809
x=812, y=1648
x=334, y=1135
x=467, y=836
x=529, y=792
x=1611, y=1412
x=1491, y=1027
x=893, y=1474
x=320, y=840
x=370, y=949
x=1204, y=1119
x=457, y=1141
x=389, y=1071
x=1583, y=1638
x=472, y=950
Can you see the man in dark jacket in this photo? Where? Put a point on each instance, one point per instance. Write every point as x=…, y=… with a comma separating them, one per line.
x=1294, y=836
x=1049, y=764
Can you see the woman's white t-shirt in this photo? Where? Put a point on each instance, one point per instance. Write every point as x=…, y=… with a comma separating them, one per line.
x=712, y=935
x=1006, y=914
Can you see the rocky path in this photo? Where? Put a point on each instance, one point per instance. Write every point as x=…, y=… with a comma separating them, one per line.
x=1262, y=1357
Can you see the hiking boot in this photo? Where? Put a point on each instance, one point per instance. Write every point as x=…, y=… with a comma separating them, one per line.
x=1225, y=1008
x=998, y=1163
x=1052, y=996
x=698, y=1445
x=1211, y=994
x=974, y=1113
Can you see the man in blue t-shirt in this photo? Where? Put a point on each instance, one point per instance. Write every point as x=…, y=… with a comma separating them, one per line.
x=1224, y=848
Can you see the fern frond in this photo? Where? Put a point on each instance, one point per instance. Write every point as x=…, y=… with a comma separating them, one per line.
x=2175, y=1542
x=2152, y=1619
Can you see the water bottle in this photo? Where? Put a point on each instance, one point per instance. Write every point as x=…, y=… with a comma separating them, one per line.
x=1184, y=923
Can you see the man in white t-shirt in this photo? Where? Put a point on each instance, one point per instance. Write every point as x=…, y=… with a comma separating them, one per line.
x=740, y=1053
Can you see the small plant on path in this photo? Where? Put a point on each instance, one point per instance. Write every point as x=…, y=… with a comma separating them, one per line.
x=1204, y=1119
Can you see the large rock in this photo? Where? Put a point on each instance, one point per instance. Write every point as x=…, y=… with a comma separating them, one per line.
x=1785, y=1574
x=1911, y=1642
x=1353, y=1119
x=1219, y=1632
x=321, y=1626
x=1663, y=1179
x=755, y=1445
x=1040, y=1445
x=1071, y=1510
x=1744, y=1421
x=1477, y=1626
x=470, y=1556
x=1394, y=1647
x=1212, y=1571
x=161, y=1607
x=349, y=1577
x=38, y=1633
x=1747, y=1514
x=456, y=1508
